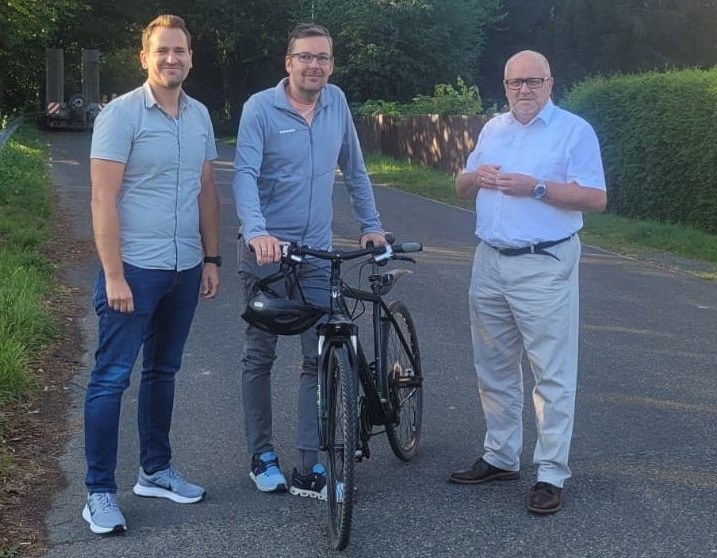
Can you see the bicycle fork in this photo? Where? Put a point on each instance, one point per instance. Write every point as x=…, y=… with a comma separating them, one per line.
x=340, y=333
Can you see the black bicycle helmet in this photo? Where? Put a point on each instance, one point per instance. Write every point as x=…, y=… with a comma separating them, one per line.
x=281, y=316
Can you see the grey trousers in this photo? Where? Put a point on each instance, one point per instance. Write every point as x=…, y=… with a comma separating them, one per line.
x=258, y=358
x=527, y=303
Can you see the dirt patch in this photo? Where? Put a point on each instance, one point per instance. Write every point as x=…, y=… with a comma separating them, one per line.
x=33, y=431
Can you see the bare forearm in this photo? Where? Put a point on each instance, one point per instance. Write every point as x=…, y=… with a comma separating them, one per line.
x=467, y=185
x=575, y=197
x=209, y=212
x=106, y=183
x=105, y=225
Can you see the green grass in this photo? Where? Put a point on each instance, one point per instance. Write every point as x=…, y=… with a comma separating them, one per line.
x=420, y=180
x=25, y=273
x=617, y=234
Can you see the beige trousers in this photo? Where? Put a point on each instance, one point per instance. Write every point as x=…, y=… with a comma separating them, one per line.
x=527, y=304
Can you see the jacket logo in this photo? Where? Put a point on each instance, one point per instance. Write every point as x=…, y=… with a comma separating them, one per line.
x=287, y=131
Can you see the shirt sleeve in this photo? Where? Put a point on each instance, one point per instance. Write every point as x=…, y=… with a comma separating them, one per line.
x=584, y=160
x=247, y=165
x=211, y=149
x=112, y=135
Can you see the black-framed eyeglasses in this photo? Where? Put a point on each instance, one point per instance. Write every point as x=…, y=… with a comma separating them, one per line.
x=307, y=58
x=532, y=83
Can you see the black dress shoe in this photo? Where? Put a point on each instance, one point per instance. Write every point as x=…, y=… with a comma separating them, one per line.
x=545, y=498
x=481, y=471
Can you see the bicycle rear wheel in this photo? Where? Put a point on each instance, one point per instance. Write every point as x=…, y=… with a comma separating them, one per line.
x=341, y=427
x=402, y=366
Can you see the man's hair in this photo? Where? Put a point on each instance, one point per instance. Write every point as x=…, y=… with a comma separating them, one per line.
x=165, y=20
x=543, y=60
x=303, y=30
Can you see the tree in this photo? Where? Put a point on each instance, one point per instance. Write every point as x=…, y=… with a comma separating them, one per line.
x=397, y=49
x=29, y=28
x=584, y=37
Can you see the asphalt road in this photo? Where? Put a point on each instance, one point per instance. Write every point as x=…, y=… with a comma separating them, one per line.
x=644, y=452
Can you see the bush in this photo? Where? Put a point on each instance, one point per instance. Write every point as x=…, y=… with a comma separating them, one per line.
x=446, y=100
x=659, y=143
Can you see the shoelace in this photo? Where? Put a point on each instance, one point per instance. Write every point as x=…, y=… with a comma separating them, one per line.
x=271, y=464
x=174, y=476
x=107, y=502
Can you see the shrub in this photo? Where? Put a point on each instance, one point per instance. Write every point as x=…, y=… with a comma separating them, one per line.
x=658, y=134
x=446, y=100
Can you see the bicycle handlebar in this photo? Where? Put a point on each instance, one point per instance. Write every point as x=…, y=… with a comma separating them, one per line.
x=294, y=252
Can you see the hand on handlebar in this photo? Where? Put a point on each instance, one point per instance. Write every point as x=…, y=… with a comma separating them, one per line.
x=266, y=248
x=372, y=239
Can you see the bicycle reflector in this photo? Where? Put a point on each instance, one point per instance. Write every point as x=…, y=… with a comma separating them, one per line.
x=280, y=316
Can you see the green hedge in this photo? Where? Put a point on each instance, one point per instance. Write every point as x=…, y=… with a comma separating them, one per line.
x=658, y=134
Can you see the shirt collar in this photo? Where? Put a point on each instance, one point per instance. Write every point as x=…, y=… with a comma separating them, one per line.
x=281, y=99
x=150, y=101
x=545, y=114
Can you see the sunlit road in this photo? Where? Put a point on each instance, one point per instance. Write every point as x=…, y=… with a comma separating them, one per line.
x=644, y=453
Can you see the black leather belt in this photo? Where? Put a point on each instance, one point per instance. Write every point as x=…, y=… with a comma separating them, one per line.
x=538, y=248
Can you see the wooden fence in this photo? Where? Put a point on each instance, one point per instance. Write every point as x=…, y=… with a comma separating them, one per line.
x=442, y=142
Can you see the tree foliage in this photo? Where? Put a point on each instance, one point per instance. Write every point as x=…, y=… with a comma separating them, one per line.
x=395, y=50
x=29, y=27
x=585, y=38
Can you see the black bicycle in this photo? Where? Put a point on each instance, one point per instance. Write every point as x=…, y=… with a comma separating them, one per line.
x=391, y=394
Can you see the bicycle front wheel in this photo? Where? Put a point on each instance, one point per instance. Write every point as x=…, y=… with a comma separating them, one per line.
x=402, y=366
x=341, y=398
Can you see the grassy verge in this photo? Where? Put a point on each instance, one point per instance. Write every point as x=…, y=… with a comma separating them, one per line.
x=630, y=237
x=25, y=210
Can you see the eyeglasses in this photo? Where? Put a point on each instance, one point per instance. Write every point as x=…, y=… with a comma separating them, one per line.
x=532, y=83
x=308, y=58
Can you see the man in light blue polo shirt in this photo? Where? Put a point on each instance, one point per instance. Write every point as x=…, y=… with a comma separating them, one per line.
x=533, y=172
x=155, y=216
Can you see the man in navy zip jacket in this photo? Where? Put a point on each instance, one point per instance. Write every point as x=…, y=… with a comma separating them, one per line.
x=291, y=139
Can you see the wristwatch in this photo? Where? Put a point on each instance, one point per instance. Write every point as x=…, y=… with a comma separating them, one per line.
x=540, y=190
x=216, y=260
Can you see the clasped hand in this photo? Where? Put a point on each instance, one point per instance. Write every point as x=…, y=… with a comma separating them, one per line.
x=510, y=183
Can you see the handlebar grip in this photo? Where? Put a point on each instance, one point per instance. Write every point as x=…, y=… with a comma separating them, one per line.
x=406, y=247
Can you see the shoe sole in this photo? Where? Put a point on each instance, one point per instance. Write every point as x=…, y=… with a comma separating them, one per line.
x=545, y=511
x=99, y=530
x=511, y=475
x=280, y=487
x=157, y=492
x=306, y=493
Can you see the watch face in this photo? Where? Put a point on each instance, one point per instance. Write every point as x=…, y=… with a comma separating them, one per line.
x=539, y=190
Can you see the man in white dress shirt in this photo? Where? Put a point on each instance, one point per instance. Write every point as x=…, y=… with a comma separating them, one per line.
x=534, y=170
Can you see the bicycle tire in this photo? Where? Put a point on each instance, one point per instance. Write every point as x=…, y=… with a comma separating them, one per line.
x=341, y=432
x=405, y=381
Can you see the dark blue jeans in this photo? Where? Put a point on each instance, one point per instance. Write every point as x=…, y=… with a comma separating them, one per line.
x=164, y=302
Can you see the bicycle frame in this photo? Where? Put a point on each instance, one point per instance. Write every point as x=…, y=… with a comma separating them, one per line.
x=340, y=328
x=380, y=409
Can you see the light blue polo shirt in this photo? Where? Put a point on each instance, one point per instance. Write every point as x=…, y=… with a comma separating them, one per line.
x=163, y=156
x=556, y=145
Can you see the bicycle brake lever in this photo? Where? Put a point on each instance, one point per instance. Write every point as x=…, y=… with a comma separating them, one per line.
x=385, y=256
x=404, y=258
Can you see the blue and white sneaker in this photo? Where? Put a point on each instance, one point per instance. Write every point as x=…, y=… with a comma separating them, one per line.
x=168, y=483
x=102, y=512
x=313, y=485
x=266, y=474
